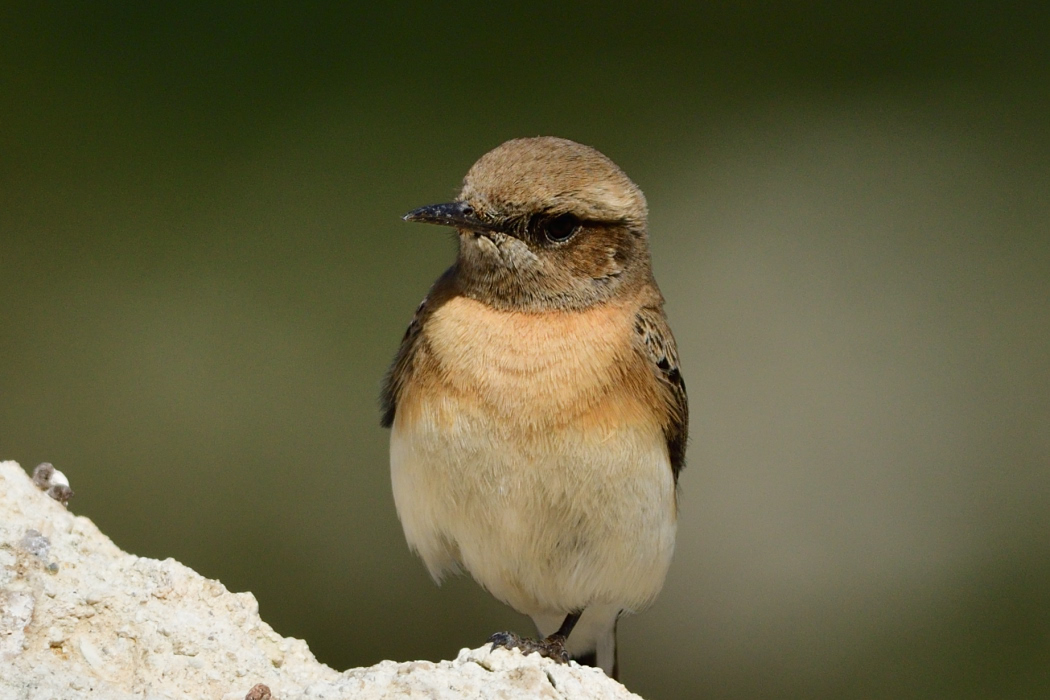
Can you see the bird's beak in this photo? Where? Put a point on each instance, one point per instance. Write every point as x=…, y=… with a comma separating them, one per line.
x=458, y=214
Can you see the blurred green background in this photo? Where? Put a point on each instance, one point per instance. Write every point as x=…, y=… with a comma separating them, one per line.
x=203, y=276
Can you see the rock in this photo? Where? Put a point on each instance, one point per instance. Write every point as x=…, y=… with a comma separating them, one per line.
x=79, y=617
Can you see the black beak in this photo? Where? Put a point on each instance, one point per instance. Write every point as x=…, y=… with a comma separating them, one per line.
x=457, y=214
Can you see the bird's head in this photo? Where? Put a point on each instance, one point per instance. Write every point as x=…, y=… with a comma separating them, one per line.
x=546, y=223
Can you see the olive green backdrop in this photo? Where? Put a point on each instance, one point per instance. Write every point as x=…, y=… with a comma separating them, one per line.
x=203, y=275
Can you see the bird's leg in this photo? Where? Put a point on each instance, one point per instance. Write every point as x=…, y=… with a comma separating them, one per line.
x=553, y=647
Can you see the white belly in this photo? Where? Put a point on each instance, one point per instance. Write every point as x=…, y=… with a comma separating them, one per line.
x=549, y=521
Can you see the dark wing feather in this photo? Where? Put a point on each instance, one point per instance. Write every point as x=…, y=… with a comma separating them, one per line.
x=401, y=368
x=659, y=348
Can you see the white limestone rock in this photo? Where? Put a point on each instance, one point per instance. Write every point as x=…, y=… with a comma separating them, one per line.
x=81, y=618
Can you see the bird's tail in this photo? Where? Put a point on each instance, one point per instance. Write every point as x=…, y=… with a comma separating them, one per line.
x=604, y=654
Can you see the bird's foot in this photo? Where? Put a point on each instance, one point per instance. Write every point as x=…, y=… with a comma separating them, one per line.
x=553, y=647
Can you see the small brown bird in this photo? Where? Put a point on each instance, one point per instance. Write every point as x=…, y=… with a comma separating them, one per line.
x=539, y=416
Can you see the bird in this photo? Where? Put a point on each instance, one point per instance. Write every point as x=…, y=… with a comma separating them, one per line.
x=538, y=413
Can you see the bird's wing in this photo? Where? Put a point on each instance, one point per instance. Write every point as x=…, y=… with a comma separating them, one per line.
x=401, y=368
x=658, y=346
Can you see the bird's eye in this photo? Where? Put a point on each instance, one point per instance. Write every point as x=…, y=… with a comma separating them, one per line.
x=561, y=228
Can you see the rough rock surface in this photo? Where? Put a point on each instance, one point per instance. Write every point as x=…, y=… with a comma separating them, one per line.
x=81, y=618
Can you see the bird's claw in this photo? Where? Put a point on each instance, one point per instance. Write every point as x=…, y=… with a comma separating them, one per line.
x=552, y=647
